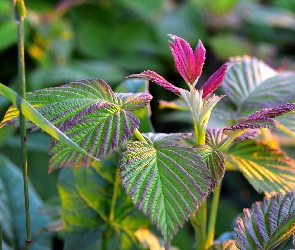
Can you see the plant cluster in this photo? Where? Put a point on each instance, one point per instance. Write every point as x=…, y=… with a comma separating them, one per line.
x=169, y=177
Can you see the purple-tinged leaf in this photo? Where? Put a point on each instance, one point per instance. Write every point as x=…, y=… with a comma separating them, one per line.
x=99, y=129
x=89, y=113
x=249, y=134
x=225, y=245
x=215, y=161
x=263, y=118
x=215, y=80
x=214, y=137
x=267, y=223
x=135, y=101
x=188, y=63
x=267, y=169
x=167, y=181
x=156, y=78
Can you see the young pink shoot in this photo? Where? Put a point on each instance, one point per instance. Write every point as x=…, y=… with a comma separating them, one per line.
x=189, y=64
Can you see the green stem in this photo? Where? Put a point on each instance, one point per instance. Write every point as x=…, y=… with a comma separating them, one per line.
x=19, y=13
x=1, y=239
x=114, y=198
x=200, y=136
x=139, y=136
x=199, y=219
x=225, y=143
x=213, y=215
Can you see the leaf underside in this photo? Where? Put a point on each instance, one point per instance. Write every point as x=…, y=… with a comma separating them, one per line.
x=267, y=223
x=167, y=181
x=88, y=112
x=267, y=169
x=263, y=118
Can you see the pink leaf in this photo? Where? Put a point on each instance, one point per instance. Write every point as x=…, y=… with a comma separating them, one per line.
x=156, y=78
x=215, y=80
x=188, y=63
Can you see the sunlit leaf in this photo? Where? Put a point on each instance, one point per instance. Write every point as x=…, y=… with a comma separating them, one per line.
x=225, y=245
x=166, y=180
x=268, y=170
x=267, y=223
x=242, y=79
x=31, y=113
x=148, y=239
x=89, y=113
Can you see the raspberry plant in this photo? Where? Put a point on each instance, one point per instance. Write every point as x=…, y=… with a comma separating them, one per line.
x=96, y=132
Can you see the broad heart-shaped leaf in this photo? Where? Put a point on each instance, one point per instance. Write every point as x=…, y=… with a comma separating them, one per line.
x=12, y=205
x=89, y=113
x=267, y=223
x=30, y=112
x=263, y=118
x=243, y=78
x=215, y=161
x=95, y=209
x=167, y=181
x=268, y=170
x=251, y=82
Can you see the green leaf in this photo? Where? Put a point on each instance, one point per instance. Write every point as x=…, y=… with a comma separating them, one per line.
x=267, y=223
x=55, y=75
x=137, y=85
x=95, y=209
x=286, y=124
x=215, y=161
x=89, y=113
x=251, y=82
x=225, y=245
x=225, y=46
x=267, y=169
x=12, y=206
x=8, y=34
x=166, y=180
x=32, y=114
x=267, y=15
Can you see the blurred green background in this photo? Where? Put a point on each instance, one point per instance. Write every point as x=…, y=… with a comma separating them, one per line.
x=68, y=40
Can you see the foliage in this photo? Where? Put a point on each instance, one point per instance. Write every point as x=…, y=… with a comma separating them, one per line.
x=169, y=176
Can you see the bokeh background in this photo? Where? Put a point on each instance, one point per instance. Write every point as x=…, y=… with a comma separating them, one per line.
x=68, y=40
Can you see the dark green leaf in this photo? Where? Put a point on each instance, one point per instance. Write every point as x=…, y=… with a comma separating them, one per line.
x=13, y=213
x=46, y=77
x=267, y=169
x=96, y=210
x=8, y=34
x=267, y=223
x=166, y=180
